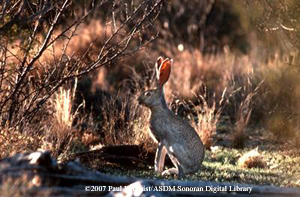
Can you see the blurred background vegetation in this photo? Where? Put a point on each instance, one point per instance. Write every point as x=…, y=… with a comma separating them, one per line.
x=236, y=69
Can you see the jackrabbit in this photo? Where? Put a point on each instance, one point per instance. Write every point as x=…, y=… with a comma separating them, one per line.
x=176, y=137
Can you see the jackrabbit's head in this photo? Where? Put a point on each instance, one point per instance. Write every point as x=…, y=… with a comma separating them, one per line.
x=155, y=97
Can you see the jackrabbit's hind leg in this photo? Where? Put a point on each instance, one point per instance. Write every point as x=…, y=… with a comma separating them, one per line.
x=178, y=168
x=160, y=158
x=177, y=148
x=180, y=172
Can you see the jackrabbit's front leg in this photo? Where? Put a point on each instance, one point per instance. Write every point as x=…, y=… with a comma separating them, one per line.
x=160, y=158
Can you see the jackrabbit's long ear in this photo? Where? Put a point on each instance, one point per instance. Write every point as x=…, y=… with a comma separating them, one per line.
x=164, y=71
x=158, y=63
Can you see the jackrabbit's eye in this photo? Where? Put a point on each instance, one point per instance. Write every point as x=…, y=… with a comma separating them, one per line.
x=147, y=94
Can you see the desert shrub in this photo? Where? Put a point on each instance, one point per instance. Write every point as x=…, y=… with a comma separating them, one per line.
x=20, y=101
x=44, y=48
x=207, y=117
x=12, y=142
x=243, y=114
x=281, y=101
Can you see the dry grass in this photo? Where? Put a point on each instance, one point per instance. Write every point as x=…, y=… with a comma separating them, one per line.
x=207, y=117
x=252, y=159
x=125, y=121
x=243, y=115
x=61, y=103
x=282, y=103
x=141, y=131
x=12, y=142
x=192, y=70
x=115, y=126
x=58, y=136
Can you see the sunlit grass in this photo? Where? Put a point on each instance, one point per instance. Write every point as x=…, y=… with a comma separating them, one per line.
x=221, y=166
